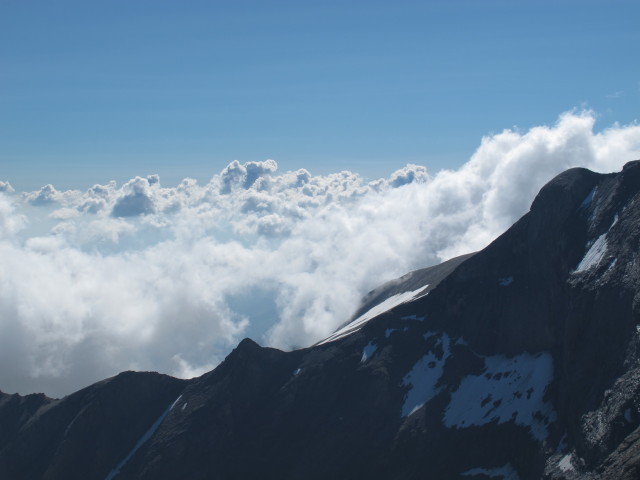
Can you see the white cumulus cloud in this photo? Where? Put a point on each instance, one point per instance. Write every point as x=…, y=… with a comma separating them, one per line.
x=170, y=278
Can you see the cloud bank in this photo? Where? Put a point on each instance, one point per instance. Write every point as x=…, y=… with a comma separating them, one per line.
x=147, y=277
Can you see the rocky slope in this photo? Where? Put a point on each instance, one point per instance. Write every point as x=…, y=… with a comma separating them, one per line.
x=519, y=362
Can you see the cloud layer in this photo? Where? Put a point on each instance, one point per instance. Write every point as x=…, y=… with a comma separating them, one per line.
x=143, y=276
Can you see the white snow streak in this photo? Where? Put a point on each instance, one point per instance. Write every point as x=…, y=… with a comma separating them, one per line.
x=149, y=433
x=593, y=257
x=379, y=309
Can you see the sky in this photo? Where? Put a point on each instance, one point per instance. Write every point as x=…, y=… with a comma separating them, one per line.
x=94, y=91
x=177, y=176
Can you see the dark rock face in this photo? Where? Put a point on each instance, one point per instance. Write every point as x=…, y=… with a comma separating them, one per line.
x=521, y=361
x=77, y=437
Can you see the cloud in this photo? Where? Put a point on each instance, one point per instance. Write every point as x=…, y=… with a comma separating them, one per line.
x=246, y=175
x=6, y=187
x=153, y=277
x=137, y=199
x=98, y=198
x=47, y=194
x=10, y=222
x=409, y=174
x=64, y=213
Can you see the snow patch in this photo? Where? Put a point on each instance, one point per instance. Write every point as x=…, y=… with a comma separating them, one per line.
x=627, y=415
x=368, y=351
x=505, y=282
x=297, y=372
x=388, y=332
x=149, y=433
x=509, y=389
x=611, y=265
x=589, y=198
x=594, y=255
x=615, y=220
x=565, y=463
x=379, y=309
x=505, y=472
x=423, y=377
x=184, y=406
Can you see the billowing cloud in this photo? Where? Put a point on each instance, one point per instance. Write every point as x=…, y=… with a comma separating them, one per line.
x=409, y=174
x=136, y=199
x=146, y=276
x=47, y=194
x=6, y=187
x=247, y=175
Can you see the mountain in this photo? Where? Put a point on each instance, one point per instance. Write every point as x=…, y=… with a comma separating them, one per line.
x=521, y=361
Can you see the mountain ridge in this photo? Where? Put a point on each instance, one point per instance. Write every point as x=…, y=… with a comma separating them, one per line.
x=519, y=361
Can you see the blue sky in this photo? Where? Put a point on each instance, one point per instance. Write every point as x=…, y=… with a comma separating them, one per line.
x=92, y=91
